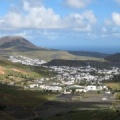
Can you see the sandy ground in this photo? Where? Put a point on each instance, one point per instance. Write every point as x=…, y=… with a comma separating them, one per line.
x=18, y=70
x=2, y=70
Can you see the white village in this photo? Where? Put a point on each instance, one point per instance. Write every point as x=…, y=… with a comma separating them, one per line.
x=69, y=79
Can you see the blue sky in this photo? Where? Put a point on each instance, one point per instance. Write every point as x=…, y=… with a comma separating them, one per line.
x=64, y=24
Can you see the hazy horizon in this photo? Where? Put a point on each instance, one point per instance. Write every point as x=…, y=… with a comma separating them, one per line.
x=107, y=50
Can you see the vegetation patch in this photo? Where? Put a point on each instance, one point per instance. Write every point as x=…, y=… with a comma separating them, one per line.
x=88, y=115
x=113, y=85
x=20, y=103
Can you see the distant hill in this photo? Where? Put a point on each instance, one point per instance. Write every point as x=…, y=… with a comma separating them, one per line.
x=113, y=58
x=89, y=54
x=16, y=43
x=79, y=63
x=10, y=45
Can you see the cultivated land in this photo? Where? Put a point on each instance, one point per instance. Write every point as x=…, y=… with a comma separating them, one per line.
x=113, y=85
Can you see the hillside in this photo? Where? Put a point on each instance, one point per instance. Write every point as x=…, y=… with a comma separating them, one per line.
x=89, y=54
x=17, y=103
x=113, y=58
x=78, y=63
x=21, y=74
x=16, y=43
x=50, y=55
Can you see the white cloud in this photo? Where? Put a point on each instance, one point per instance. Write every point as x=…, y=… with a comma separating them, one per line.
x=78, y=3
x=116, y=18
x=113, y=25
x=36, y=16
x=89, y=15
x=81, y=22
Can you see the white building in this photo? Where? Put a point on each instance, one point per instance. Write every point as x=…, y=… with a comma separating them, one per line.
x=33, y=85
x=91, y=87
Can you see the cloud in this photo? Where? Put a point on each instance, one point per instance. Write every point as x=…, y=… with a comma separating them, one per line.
x=81, y=22
x=36, y=16
x=116, y=18
x=32, y=16
x=78, y=3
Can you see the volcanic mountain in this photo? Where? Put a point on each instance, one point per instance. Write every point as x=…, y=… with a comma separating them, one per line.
x=16, y=43
x=10, y=45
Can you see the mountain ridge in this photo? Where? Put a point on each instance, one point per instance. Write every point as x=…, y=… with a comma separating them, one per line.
x=10, y=45
x=16, y=43
x=89, y=54
x=113, y=58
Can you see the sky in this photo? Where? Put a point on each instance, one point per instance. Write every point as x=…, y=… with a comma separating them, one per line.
x=91, y=25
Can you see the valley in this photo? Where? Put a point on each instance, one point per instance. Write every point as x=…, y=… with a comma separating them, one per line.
x=42, y=84
x=59, y=59
x=51, y=92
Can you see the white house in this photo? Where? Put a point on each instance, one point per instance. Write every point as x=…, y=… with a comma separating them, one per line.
x=108, y=92
x=104, y=99
x=105, y=87
x=33, y=85
x=91, y=87
x=81, y=90
x=53, y=88
x=67, y=92
x=78, y=88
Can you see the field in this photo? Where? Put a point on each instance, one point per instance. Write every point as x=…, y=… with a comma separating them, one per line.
x=16, y=103
x=19, y=103
x=87, y=115
x=21, y=74
x=49, y=55
x=113, y=85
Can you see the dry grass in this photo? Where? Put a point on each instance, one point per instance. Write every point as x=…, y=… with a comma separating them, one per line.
x=49, y=55
x=20, y=70
x=114, y=86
